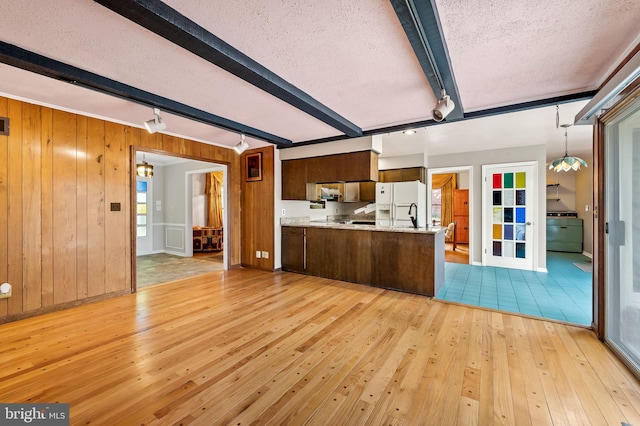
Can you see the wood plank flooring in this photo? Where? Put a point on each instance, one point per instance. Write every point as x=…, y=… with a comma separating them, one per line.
x=246, y=347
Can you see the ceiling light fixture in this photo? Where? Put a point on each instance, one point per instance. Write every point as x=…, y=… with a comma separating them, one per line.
x=242, y=146
x=144, y=169
x=409, y=132
x=567, y=162
x=443, y=108
x=155, y=124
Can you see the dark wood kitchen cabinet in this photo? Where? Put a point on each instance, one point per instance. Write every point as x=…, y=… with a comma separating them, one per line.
x=293, y=250
x=339, y=254
x=294, y=179
x=406, y=261
x=349, y=167
x=368, y=191
x=407, y=174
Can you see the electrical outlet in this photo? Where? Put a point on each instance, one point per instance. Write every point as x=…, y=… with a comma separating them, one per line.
x=284, y=212
x=265, y=254
x=258, y=254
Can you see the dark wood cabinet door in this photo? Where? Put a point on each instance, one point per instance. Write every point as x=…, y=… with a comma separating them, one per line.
x=293, y=249
x=322, y=169
x=339, y=254
x=405, y=261
x=394, y=175
x=368, y=191
x=413, y=173
x=403, y=175
x=294, y=179
x=357, y=166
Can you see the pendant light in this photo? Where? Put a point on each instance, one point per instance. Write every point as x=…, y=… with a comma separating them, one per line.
x=567, y=162
x=144, y=169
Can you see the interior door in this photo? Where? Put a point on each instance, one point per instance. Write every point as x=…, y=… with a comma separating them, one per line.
x=622, y=227
x=509, y=208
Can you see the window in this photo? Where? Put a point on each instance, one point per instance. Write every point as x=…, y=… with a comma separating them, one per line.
x=436, y=205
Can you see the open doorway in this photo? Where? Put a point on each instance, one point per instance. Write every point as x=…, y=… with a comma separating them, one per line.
x=449, y=206
x=172, y=241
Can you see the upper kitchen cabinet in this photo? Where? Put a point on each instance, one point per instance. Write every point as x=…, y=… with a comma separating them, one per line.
x=359, y=166
x=408, y=174
x=349, y=167
x=322, y=169
x=294, y=179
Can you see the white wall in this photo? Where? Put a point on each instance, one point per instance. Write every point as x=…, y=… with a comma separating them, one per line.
x=476, y=160
x=462, y=180
x=402, y=162
x=584, y=202
x=157, y=217
x=562, y=199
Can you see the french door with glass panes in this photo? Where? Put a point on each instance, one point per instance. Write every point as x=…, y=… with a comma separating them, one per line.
x=509, y=209
x=622, y=228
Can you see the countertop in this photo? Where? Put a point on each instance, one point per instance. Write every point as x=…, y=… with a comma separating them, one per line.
x=305, y=223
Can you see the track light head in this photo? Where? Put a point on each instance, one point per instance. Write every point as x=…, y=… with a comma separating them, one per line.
x=242, y=146
x=443, y=108
x=155, y=124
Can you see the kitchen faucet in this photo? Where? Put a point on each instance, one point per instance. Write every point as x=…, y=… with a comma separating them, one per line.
x=414, y=220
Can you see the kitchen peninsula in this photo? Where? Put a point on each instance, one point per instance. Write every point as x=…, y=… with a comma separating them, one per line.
x=398, y=258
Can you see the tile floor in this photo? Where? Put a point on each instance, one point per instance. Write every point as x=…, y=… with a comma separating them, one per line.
x=564, y=293
x=162, y=267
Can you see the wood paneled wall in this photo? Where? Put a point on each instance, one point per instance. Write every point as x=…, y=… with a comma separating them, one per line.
x=258, y=212
x=60, y=243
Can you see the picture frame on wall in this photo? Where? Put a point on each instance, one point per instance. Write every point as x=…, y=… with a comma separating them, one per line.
x=253, y=167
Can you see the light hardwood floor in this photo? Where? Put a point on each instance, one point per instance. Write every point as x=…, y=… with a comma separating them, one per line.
x=251, y=347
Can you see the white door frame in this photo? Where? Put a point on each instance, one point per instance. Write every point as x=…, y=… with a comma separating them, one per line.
x=189, y=209
x=486, y=219
x=458, y=169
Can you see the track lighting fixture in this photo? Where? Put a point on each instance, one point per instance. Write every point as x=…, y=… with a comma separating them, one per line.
x=144, y=169
x=443, y=108
x=155, y=124
x=242, y=146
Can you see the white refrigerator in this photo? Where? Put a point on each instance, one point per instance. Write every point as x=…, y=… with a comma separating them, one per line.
x=394, y=200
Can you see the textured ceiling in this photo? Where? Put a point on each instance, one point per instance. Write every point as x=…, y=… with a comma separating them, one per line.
x=504, y=52
x=352, y=56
